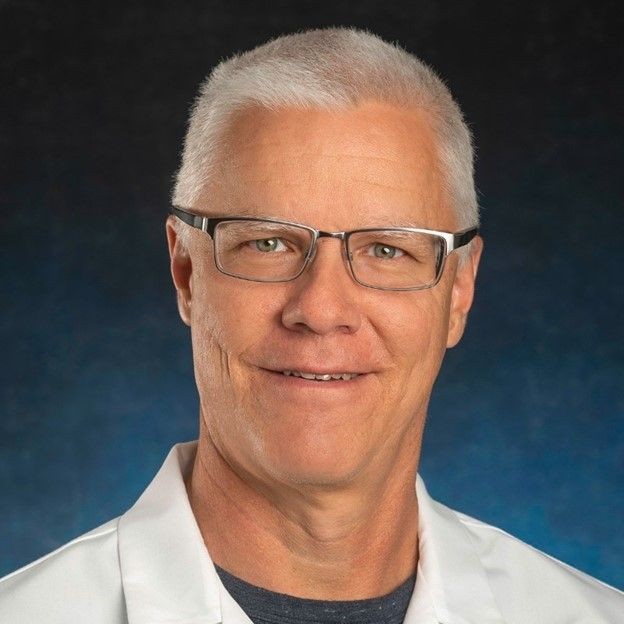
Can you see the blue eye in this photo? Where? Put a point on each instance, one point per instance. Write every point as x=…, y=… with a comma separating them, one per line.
x=269, y=244
x=385, y=252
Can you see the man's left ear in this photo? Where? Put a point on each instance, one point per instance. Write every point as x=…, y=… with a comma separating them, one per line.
x=463, y=292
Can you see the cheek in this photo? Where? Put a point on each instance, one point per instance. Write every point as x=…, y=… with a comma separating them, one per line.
x=417, y=335
x=213, y=313
x=210, y=331
x=229, y=319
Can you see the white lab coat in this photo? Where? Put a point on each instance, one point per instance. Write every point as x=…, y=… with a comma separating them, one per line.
x=150, y=566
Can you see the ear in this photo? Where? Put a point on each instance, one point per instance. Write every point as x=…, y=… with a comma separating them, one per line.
x=463, y=292
x=181, y=271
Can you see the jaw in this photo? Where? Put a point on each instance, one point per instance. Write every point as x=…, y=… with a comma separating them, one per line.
x=297, y=433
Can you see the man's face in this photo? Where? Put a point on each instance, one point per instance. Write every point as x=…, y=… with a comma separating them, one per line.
x=374, y=165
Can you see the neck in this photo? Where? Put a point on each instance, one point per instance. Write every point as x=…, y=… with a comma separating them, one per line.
x=346, y=543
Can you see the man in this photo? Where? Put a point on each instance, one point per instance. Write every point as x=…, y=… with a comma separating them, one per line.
x=324, y=248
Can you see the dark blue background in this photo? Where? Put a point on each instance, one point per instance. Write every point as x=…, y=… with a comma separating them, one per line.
x=526, y=426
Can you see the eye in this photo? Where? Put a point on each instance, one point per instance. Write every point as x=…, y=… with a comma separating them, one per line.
x=385, y=252
x=268, y=244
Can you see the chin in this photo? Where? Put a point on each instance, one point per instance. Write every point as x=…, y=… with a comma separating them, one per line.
x=320, y=478
x=322, y=466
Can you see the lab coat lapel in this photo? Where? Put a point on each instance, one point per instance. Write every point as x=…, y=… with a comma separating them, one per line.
x=166, y=572
x=450, y=572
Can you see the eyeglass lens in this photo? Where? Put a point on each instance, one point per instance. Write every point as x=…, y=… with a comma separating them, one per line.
x=266, y=251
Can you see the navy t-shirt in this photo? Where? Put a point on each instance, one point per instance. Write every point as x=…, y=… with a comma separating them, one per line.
x=267, y=607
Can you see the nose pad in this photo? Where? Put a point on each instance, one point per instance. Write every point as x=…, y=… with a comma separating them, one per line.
x=312, y=254
x=347, y=256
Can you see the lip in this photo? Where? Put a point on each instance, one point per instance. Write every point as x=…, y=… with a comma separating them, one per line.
x=279, y=376
x=321, y=376
x=300, y=389
x=317, y=371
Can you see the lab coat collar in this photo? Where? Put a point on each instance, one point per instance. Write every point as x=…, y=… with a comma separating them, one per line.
x=169, y=578
x=449, y=568
x=166, y=572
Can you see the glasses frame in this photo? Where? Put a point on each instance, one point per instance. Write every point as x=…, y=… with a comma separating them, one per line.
x=208, y=225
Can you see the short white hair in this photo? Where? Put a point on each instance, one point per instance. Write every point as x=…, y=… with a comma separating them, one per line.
x=327, y=69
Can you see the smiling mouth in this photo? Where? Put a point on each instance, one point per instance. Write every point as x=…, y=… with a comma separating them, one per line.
x=321, y=376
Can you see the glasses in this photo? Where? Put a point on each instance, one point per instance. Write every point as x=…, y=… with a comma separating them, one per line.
x=269, y=250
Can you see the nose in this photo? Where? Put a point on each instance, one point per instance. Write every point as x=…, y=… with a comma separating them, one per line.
x=324, y=299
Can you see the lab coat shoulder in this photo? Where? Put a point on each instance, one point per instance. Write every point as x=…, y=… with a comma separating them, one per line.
x=526, y=581
x=76, y=583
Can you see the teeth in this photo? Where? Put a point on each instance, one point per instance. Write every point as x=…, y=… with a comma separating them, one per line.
x=320, y=377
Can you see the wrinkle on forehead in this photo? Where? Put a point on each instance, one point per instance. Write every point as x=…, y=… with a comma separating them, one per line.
x=373, y=156
x=238, y=160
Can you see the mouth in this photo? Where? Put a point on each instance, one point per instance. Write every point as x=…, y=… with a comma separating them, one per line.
x=327, y=377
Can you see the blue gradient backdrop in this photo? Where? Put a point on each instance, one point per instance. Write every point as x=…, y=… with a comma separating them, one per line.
x=526, y=425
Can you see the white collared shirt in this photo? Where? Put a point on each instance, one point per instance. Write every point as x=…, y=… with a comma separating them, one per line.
x=150, y=566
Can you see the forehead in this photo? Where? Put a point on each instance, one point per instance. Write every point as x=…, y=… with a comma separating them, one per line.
x=373, y=164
